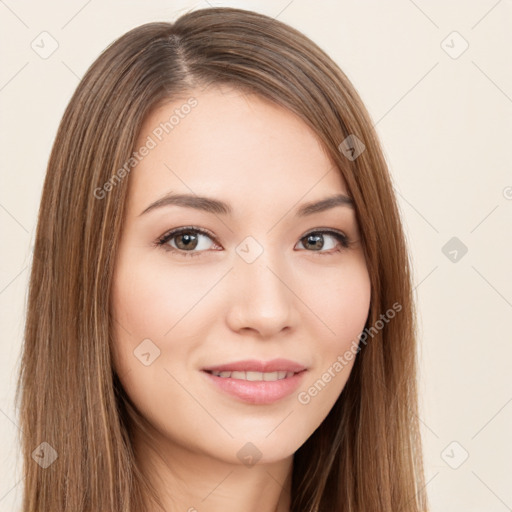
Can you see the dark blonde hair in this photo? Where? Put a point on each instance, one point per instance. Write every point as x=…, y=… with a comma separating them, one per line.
x=366, y=455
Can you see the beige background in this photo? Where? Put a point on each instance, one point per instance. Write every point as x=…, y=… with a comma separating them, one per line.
x=445, y=121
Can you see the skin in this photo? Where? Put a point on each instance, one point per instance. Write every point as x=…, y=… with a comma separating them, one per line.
x=293, y=301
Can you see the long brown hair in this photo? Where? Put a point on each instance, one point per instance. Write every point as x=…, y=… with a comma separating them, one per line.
x=366, y=455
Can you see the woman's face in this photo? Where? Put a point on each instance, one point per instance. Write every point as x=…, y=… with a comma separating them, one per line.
x=265, y=280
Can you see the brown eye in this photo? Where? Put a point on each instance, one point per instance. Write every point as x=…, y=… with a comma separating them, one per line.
x=316, y=241
x=186, y=241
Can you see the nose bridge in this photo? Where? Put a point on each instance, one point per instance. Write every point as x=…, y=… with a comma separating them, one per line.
x=260, y=296
x=263, y=269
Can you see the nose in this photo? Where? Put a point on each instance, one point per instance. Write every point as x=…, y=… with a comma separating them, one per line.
x=261, y=298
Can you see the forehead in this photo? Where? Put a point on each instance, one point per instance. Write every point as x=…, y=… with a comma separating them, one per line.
x=230, y=144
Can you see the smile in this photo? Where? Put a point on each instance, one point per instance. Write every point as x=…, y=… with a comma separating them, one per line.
x=255, y=376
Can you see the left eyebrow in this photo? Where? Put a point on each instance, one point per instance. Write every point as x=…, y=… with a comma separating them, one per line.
x=215, y=206
x=325, y=204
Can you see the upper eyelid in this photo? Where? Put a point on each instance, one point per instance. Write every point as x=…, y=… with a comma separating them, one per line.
x=177, y=231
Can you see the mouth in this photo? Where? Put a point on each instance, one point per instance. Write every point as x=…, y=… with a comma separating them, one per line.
x=257, y=382
x=254, y=376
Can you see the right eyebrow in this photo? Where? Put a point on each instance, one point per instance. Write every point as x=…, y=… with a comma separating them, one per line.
x=206, y=204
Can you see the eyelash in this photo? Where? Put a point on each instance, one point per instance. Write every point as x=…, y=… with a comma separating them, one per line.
x=162, y=241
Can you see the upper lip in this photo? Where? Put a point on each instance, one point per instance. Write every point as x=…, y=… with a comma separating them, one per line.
x=253, y=365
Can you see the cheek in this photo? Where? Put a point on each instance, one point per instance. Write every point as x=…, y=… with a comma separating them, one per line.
x=151, y=298
x=150, y=341
x=153, y=301
x=341, y=303
x=340, y=299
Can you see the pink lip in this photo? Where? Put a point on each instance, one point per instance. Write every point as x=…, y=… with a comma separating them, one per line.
x=258, y=392
x=253, y=365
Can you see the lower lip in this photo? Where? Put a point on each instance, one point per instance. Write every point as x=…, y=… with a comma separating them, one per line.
x=257, y=392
